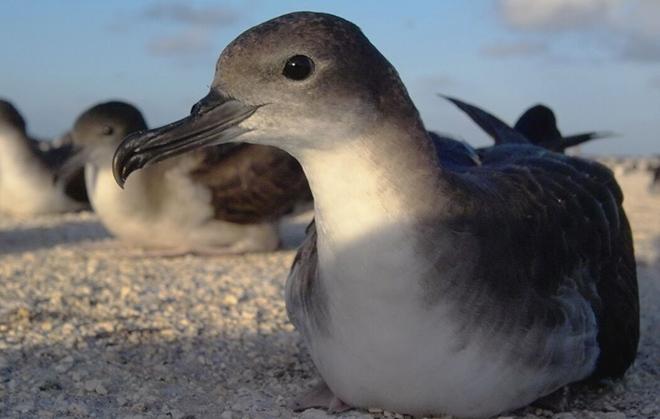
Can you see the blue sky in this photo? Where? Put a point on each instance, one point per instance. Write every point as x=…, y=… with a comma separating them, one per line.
x=596, y=62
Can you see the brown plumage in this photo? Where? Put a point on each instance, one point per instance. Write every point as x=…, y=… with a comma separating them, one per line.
x=252, y=183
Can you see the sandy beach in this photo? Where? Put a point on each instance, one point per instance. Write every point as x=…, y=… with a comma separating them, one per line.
x=89, y=328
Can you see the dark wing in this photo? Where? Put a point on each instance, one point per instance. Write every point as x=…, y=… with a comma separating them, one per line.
x=453, y=153
x=501, y=132
x=76, y=188
x=57, y=157
x=252, y=183
x=305, y=298
x=547, y=223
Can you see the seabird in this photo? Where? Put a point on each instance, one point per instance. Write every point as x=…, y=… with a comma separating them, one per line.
x=29, y=173
x=224, y=199
x=420, y=288
x=537, y=125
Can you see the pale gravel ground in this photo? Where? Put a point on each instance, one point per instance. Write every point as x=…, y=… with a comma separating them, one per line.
x=89, y=330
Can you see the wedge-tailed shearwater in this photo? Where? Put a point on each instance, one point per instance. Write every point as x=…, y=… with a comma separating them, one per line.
x=537, y=125
x=29, y=183
x=421, y=288
x=224, y=199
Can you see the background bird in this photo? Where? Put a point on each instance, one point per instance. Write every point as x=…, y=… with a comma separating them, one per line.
x=220, y=200
x=539, y=125
x=29, y=171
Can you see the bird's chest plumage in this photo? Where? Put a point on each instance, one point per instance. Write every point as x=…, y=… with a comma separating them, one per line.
x=382, y=343
x=380, y=335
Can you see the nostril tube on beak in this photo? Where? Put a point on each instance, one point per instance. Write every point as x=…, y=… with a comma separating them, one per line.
x=212, y=99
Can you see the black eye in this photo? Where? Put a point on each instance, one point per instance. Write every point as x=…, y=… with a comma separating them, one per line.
x=107, y=130
x=298, y=67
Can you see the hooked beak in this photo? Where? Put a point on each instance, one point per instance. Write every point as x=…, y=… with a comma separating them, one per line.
x=213, y=120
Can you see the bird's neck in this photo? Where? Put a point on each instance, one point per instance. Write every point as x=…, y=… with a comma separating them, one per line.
x=382, y=181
